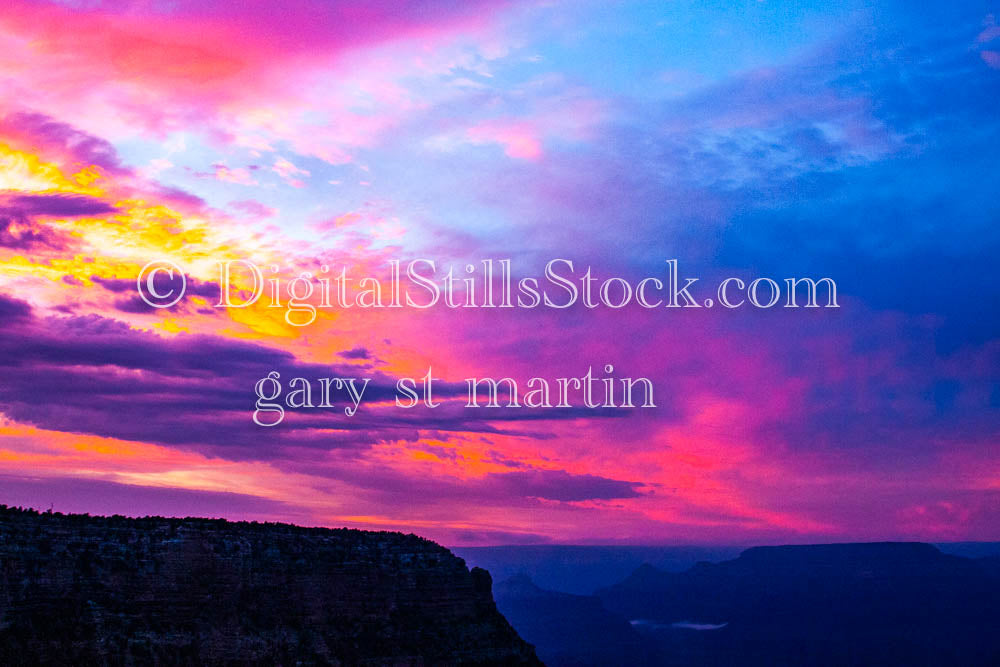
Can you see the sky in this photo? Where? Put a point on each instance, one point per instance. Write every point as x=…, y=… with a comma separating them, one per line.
x=856, y=141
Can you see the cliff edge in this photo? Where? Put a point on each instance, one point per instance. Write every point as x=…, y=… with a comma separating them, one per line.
x=76, y=589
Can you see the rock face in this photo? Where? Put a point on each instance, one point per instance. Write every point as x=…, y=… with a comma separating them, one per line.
x=92, y=590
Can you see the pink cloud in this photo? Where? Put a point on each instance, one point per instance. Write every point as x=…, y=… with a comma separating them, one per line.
x=519, y=139
x=990, y=32
x=239, y=175
x=249, y=77
x=289, y=172
x=254, y=209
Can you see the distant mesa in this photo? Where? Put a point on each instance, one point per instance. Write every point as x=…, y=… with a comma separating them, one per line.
x=888, y=604
x=837, y=604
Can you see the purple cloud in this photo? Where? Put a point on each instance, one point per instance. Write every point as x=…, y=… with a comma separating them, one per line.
x=90, y=374
x=60, y=205
x=53, y=136
x=560, y=485
x=19, y=230
x=132, y=302
x=21, y=233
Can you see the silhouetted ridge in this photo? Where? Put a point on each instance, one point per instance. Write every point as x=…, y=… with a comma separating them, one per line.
x=845, y=556
x=76, y=589
x=902, y=603
x=569, y=629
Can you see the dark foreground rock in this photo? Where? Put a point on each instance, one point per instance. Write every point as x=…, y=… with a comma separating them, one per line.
x=79, y=590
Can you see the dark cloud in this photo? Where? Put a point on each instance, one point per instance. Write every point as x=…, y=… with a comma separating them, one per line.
x=13, y=310
x=52, y=136
x=20, y=230
x=521, y=486
x=179, y=199
x=194, y=287
x=560, y=485
x=64, y=143
x=21, y=233
x=136, y=306
x=90, y=374
x=356, y=353
x=117, y=285
x=57, y=205
x=132, y=302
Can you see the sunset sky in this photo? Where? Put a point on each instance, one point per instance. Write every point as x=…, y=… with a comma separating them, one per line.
x=853, y=140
